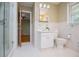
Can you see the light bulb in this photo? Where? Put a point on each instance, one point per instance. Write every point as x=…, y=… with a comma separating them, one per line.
x=44, y=6
x=40, y=5
x=48, y=6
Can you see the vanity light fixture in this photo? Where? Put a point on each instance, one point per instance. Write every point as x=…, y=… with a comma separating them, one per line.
x=44, y=5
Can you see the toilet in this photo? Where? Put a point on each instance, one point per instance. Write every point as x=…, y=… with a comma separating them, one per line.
x=61, y=42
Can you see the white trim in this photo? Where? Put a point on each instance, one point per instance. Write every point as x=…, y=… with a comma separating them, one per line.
x=26, y=11
x=68, y=13
x=31, y=28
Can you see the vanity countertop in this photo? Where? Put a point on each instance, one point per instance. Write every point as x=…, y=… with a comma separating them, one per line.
x=45, y=31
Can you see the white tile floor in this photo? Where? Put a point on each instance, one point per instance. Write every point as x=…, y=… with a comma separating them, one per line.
x=29, y=51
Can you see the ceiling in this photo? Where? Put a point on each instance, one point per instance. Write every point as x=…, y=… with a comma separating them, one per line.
x=30, y=4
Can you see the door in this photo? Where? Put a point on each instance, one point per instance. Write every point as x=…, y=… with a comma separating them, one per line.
x=25, y=27
x=1, y=28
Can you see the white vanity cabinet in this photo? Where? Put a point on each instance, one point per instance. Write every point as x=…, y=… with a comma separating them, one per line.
x=47, y=40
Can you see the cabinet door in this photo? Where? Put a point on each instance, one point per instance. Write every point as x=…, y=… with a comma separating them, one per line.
x=43, y=40
x=47, y=40
x=50, y=40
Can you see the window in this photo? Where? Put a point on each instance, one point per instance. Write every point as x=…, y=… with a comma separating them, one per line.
x=74, y=13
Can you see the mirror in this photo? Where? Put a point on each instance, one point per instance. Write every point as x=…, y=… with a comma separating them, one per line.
x=44, y=12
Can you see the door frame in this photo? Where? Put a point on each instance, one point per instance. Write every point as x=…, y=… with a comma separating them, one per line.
x=30, y=26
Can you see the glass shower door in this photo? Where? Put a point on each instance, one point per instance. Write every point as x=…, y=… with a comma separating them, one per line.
x=1, y=29
x=7, y=28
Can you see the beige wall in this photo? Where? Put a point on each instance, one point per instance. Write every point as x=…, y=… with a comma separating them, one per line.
x=53, y=13
x=62, y=10
x=62, y=19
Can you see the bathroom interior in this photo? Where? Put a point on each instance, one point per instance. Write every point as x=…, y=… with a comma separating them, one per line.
x=58, y=25
x=54, y=25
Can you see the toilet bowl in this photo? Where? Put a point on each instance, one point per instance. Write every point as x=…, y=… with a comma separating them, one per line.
x=61, y=42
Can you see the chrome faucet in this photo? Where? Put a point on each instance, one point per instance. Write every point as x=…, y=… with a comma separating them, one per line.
x=47, y=28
